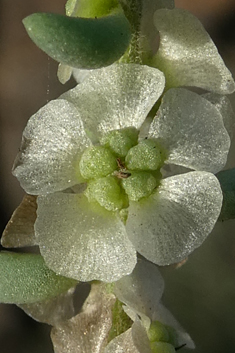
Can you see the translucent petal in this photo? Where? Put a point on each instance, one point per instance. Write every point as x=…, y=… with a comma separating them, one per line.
x=192, y=131
x=134, y=340
x=64, y=73
x=81, y=75
x=88, y=331
x=142, y=289
x=187, y=55
x=164, y=316
x=52, y=311
x=52, y=144
x=81, y=241
x=19, y=231
x=148, y=30
x=116, y=97
x=170, y=224
x=122, y=344
x=140, y=337
x=224, y=106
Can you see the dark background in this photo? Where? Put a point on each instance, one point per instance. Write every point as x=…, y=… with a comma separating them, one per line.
x=202, y=293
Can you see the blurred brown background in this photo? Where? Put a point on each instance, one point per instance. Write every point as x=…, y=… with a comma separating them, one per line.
x=202, y=293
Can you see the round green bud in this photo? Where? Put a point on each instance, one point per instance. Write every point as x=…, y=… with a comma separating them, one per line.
x=90, y=8
x=147, y=155
x=162, y=347
x=158, y=332
x=107, y=192
x=97, y=162
x=139, y=184
x=120, y=141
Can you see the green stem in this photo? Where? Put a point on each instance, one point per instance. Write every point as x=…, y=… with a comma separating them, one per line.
x=132, y=10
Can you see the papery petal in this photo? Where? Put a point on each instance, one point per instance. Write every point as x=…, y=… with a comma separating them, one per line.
x=164, y=316
x=142, y=289
x=134, y=340
x=192, y=131
x=52, y=144
x=19, y=231
x=140, y=337
x=52, y=311
x=82, y=242
x=64, y=73
x=187, y=55
x=148, y=29
x=122, y=344
x=170, y=224
x=87, y=332
x=116, y=97
x=224, y=106
x=81, y=75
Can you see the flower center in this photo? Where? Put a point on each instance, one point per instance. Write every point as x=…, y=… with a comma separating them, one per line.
x=121, y=169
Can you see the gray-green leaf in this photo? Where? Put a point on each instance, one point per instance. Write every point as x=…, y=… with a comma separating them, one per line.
x=86, y=43
x=24, y=278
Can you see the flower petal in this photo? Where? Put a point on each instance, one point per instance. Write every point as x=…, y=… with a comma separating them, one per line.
x=81, y=75
x=116, y=97
x=142, y=289
x=192, y=131
x=224, y=106
x=52, y=311
x=134, y=340
x=148, y=29
x=87, y=331
x=19, y=231
x=82, y=241
x=122, y=344
x=170, y=224
x=140, y=337
x=164, y=316
x=187, y=55
x=52, y=144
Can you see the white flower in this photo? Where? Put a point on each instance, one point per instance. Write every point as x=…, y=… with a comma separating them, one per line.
x=154, y=329
x=174, y=41
x=77, y=237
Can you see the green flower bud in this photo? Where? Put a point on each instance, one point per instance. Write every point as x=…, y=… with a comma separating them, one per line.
x=107, y=192
x=147, y=155
x=91, y=8
x=120, y=141
x=162, y=347
x=139, y=184
x=158, y=332
x=97, y=162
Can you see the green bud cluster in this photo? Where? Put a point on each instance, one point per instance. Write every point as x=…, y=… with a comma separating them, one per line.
x=163, y=338
x=121, y=169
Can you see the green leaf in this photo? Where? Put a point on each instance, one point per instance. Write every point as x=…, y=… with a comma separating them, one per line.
x=86, y=43
x=24, y=278
x=227, y=183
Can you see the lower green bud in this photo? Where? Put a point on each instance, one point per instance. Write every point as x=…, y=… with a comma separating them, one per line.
x=162, y=347
x=97, y=162
x=158, y=332
x=90, y=8
x=120, y=141
x=139, y=184
x=107, y=192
